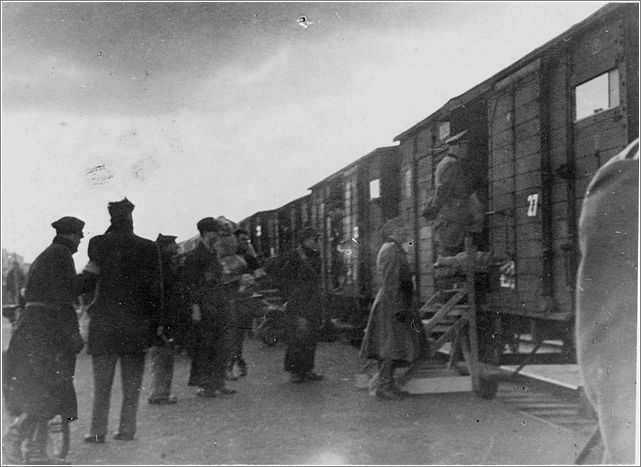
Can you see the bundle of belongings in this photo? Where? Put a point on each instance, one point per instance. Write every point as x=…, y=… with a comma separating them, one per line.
x=446, y=266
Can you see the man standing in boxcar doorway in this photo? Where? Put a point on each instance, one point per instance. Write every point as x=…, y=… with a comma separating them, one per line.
x=124, y=317
x=454, y=205
x=606, y=315
x=41, y=358
x=298, y=274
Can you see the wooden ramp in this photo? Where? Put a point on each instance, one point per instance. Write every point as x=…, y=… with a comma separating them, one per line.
x=450, y=317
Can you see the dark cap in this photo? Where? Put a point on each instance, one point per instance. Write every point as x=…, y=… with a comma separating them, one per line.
x=208, y=224
x=307, y=232
x=120, y=209
x=239, y=232
x=68, y=224
x=163, y=240
x=457, y=138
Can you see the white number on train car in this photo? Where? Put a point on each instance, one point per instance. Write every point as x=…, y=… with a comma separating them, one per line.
x=508, y=275
x=532, y=207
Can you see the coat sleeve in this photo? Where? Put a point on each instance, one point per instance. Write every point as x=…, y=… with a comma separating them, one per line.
x=389, y=266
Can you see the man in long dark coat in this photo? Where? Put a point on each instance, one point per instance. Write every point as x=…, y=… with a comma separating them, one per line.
x=171, y=325
x=210, y=303
x=607, y=287
x=41, y=358
x=298, y=274
x=124, y=317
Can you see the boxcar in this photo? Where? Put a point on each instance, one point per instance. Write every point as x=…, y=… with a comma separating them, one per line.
x=539, y=130
x=347, y=209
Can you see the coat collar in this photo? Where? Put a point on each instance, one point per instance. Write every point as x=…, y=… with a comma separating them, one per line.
x=59, y=240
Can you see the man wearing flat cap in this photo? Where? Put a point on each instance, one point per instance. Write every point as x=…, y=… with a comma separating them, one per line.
x=454, y=205
x=41, y=358
x=210, y=312
x=124, y=317
x=168, y=335
x=298, y=275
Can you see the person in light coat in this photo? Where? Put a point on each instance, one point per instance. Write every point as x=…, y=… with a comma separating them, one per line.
x=607, y=308
x=394, y=334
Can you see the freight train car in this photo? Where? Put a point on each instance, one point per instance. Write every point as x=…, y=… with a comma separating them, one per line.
x=348, y=208
x=538, y=132
x=263, y=232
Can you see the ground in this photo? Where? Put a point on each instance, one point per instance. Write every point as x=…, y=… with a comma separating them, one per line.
x=272, y=421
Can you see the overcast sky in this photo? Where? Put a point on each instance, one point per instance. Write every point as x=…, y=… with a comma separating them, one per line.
x=208, y=109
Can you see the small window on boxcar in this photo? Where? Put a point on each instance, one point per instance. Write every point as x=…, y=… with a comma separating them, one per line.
x=408, y=183
x=598, y=94
x=259, y=231
x=374, y=189
x=443, y=130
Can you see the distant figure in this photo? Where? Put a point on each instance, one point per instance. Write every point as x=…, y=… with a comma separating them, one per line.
x=244, y=308
x=123, y=317
x=208, y=298
x=454, y=205
x=607, y=287
x=298, y=274
x=41, y=359
x=162, y=352
x=15, y=282
x=394, y=334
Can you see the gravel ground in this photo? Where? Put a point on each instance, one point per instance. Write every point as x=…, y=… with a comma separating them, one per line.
x=271, y=421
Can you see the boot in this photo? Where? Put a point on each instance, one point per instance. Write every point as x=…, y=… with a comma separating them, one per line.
x=11, y=444
x=387, y=393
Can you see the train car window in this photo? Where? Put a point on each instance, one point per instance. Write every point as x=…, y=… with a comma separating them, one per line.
x=374, y=189
x=443, y=130
x=598, y=94
x=408, y=183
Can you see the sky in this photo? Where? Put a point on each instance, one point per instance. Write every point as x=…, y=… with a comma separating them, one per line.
x=206, y=109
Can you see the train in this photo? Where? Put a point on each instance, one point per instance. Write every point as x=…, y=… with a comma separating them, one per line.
x=538, y=131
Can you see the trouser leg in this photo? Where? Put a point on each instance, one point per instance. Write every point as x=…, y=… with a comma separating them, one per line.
x=299, y=356
x=218, y=354
x=162, y=371
x=104, y=367
x=35, y=432
x=386, y=373
x=132, y=370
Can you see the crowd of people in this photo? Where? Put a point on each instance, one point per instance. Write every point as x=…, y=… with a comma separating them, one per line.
x=144, y=300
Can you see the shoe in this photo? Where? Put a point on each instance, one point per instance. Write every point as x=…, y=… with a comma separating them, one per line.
x=297, y=378
x=399, y=391
x=206, y=393
x=310, y=375
x=124, y=436
x=226, y=391
x=95, y=439
x=387, y=393
x=164, y=400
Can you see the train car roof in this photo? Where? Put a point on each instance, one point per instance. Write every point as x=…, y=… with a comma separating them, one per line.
x=486, y=85
x=377, y=151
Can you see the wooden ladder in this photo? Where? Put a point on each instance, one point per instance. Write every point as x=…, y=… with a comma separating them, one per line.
x=453, y=321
